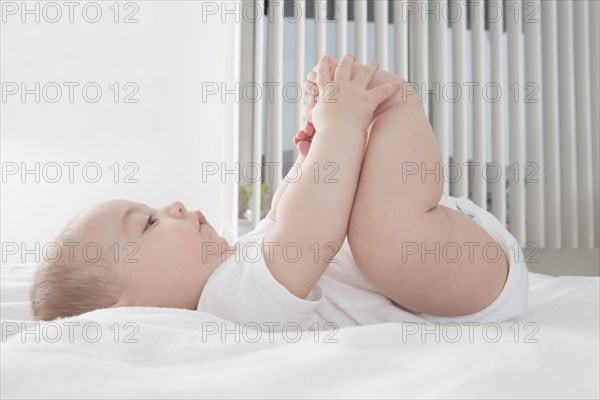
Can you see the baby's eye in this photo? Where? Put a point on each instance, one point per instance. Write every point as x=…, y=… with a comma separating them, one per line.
x=151, y=221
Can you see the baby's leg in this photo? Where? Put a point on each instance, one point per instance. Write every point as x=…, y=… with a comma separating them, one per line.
x=403, y=241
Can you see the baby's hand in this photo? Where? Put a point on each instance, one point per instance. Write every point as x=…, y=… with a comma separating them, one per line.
x=311, y=92
x=346, y=101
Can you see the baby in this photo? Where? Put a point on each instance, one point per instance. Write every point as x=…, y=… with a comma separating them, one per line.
x=359, y=238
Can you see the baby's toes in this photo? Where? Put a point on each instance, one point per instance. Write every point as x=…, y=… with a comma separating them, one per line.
x=303, y=147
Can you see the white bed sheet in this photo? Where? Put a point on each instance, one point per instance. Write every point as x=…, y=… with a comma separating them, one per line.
x=556, y=354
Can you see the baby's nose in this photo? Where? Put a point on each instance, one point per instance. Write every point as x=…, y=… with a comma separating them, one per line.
x=177, y=209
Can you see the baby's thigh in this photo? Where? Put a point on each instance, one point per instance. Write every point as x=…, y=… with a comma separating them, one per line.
x=442, y=263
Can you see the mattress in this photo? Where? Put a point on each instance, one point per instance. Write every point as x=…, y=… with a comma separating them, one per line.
x=135, y=352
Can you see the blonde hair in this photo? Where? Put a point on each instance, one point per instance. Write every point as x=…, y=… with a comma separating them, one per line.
x=66, y=284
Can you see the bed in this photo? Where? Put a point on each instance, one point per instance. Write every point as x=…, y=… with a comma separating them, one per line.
x=552, y=352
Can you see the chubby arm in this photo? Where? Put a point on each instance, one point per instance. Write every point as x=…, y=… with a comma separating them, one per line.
x=283, y=185
x=314, y=211
x=302, y=141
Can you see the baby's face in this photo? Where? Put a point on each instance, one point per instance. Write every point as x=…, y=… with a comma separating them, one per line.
x=164, y=257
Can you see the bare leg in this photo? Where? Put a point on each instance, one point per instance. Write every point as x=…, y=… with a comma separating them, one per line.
x=394, y=212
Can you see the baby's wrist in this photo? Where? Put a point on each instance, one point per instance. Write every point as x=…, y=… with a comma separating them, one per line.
x=343, y=128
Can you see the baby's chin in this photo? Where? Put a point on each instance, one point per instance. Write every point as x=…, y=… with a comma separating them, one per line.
x=208, y=233
x=208, y=230
x=214, y=244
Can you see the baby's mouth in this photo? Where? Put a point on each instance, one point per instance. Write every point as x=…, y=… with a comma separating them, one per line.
x=201, y=219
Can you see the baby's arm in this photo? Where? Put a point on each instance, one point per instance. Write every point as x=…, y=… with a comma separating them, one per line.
x=302, y=140
x=313, y=212
x=283, y=185
x=311, y=88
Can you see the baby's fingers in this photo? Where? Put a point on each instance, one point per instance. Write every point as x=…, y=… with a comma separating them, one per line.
x=365, y=75
x=311, y=77
x=384, y=92
x=323, y=71
x=333, y=65
x=344, y=68
x=310, y=90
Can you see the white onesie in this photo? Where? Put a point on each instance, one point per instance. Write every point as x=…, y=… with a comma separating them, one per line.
x=242, y=289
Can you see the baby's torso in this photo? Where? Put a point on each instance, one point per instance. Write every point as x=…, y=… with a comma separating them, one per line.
x=353, y=300
x=349, y=299
x=246, y=291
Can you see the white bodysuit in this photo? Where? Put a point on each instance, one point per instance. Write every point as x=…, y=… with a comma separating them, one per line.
x=243, y=290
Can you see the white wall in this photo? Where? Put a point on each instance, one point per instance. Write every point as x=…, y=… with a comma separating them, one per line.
x=167, y=135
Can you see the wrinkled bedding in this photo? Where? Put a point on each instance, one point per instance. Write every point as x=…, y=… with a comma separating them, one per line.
x=552, y=352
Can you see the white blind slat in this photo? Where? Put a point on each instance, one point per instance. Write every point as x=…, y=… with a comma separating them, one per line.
x=535, y=140
x=341, y=15
x=300, y=25
x=516, y=179
x=552, y=163
x=497, y=174
x=440, y=78
x=400, y=38
x=257, y=125
x=381, y=35
x=275, y=108
x=568, y=155
x=594, y=23
x=419, y=48
x=583, y=118
x=320, y=29
x=479, y=112
x=460, y=185
x=360, y=32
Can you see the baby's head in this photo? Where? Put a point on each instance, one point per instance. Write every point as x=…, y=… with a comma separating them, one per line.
x=148, y=257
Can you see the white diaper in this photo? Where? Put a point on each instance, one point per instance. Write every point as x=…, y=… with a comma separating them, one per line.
x=512, y=300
